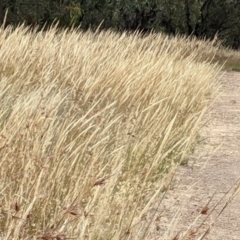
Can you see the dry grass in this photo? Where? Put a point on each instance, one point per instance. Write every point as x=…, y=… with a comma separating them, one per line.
x=91, y=126
x=229, y=58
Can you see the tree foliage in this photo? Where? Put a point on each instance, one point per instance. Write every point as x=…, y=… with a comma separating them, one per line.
x=202, y=18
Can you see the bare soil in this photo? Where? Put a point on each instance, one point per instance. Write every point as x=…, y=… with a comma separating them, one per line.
x=207, y=178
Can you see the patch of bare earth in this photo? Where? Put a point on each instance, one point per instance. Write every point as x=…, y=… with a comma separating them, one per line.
x=211, y=172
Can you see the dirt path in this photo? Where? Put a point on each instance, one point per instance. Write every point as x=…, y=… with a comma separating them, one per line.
x=212, y=170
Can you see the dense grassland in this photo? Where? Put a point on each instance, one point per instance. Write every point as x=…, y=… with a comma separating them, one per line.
x=92, y=126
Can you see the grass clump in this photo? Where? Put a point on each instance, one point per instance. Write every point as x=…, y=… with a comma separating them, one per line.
x=229, y=58
x=90, y=126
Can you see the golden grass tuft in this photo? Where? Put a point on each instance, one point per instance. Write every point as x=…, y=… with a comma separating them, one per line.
x=90, y=126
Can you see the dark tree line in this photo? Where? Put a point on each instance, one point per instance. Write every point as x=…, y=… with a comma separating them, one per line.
x=202, y=18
